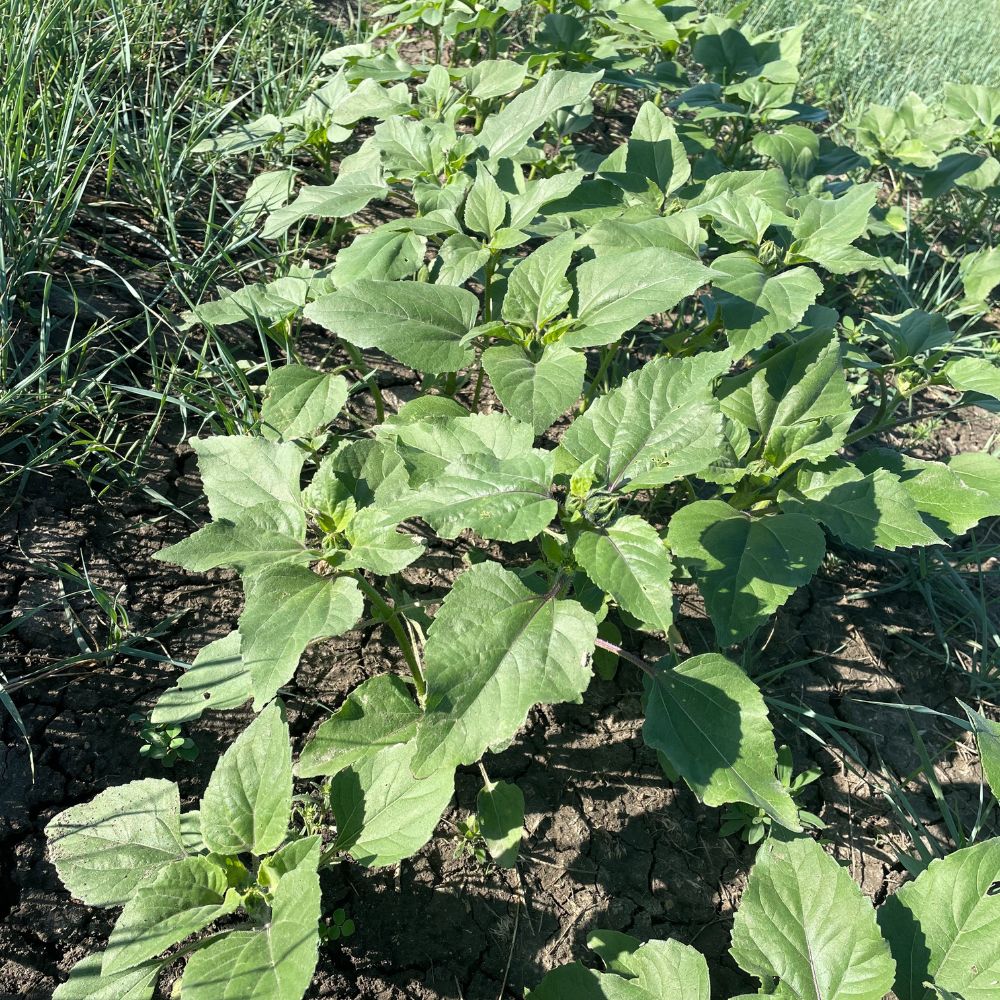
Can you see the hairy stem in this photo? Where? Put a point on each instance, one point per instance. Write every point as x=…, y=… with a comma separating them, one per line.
x=391, y=617
x=626, y=655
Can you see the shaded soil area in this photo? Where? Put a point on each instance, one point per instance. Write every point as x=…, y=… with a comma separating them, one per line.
x=610, y=843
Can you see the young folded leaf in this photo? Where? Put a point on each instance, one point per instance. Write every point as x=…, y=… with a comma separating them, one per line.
x=276, y=961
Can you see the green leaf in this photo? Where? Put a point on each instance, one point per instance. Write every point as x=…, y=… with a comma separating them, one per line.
x=978, y=470
x=384, y=813
x=679, y=232
x=911, y=332
x=660, y=424
x=428, y=445
x=419, y=324
x=616, y=294
x=376, y=714
x=655, y=152
x=348, y=194
x=980, y=274
x=248, y=475
x=485, y=205
x=263, y=302
x=216, y=679
x=494, y=650
x=669, y=969
x=491, y=78
x=825, y=227
x=746, y=567
x=276, y=961
x=710, y=721
x=804, y=922
x=629, y=561
x=506, y=132
x=974, y=375
x=460, y=256
x=798, y=402
x=500, y=808
x=247, y=804
x=536, y=391
x=105, y=849
x=987, y=735
x=942, y=927
x=300, y=401
x=375, y=547
x=757, y=305
x=575, y=982
x=87, y=981
x=740, y=218
x=504, y=499
x=873, y=511
x=537, y=289
x=613, y=947
x=249, y=545
x=949, y=505
x=187, y=896
x=288, y=607
x=384, y=254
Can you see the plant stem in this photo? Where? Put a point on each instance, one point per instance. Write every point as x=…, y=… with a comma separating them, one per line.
x=626, y=655
x=391, y=617
x=606, y=357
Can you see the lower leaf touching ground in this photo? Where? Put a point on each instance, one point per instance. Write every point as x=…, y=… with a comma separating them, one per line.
x=746, y=567
x=943, y=927
x=710, y=721
x=384, y=813
x=656, y=970
x=495, y=649
x=276, y=961
x=803, y=921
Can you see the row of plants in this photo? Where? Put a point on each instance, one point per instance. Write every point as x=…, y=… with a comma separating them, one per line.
x=645, y=293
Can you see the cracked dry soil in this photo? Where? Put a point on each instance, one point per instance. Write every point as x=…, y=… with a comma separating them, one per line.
x=610, y=842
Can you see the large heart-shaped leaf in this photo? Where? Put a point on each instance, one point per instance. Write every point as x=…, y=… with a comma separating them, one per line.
x=710, y=721
x=803, y=922
x=942, y=927
x=746, y=567
x=248, y=801
x=536, y=391
x=495, y=649
x=419, y=324
x=106, y=848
